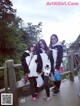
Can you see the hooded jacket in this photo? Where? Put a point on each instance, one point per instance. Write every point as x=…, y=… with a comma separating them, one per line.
x=47, y=60
x=57, y=54
x=32, y=65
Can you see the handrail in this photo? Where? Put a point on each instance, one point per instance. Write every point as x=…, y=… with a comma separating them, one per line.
x=17, y=65
x=1, y=68
x=9, y=67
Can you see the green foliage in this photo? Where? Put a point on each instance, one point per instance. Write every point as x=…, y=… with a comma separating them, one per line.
x=1, y=74
x=33, y=32
x=67, y=76
x=14, y=37
x=19, y=74
x=75, y=44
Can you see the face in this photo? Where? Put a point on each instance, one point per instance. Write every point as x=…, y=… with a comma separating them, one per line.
x=54, y=40
x=32, y=48
x=42, y=45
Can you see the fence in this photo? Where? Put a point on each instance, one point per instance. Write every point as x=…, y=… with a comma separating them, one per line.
x=9, y=69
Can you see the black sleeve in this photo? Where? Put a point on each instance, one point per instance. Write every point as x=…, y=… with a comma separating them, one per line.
x=52, y=61
x=24, y=64
x=39, y=63
x=59, y=57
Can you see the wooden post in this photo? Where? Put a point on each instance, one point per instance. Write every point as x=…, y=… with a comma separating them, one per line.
x=12, y=81
x=72, y=66
x=5, y=77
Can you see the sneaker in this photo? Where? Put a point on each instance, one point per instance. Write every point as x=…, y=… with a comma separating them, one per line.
x=56, y=92
x=48, y=98
x=44, y=97
x=53, y=89
x=34, y=98
x=36, y=94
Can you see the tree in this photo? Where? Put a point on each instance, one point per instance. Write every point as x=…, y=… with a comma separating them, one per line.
x=14, y=37
x=75, y=44
x=7, y=13
x=34, y=31
x=9, y=27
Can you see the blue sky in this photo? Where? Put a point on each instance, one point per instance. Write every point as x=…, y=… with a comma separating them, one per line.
x=62, y=20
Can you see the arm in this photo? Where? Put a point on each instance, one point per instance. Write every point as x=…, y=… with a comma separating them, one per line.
x=24, y=64
x=52, y=61
x=39, y=64
x=59, y=57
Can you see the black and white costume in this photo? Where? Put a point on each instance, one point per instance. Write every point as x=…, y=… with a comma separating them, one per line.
x=47, y=61
x=48, y=64
x=32, y=64
x=57, y=54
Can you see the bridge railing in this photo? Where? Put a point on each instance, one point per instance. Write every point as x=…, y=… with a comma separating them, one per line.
x=10, y=76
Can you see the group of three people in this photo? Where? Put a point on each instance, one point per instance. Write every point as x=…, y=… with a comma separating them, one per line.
x=42, y=60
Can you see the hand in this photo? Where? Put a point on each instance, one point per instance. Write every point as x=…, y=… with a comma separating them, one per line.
x=55, y=70
x=49, y=74
x=26, y=76
x=28, y=72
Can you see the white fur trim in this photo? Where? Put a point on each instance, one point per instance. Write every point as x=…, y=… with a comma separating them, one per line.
x=27, y=51
x=46, y=61
x=54, y=52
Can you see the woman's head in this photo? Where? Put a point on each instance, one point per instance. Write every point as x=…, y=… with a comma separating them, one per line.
x=32, y=47
x=53, y=40
x=42, y=44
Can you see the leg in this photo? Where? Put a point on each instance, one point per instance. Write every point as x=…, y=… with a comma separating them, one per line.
x=46, y=78
x=56, y=90
x=57, y=84
x=35, y=85
x=32, y=85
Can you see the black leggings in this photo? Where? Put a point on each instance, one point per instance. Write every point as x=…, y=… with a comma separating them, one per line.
x=33, y=85
x=46, y=86
x=57, y=84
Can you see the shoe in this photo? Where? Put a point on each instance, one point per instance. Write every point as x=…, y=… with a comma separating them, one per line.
x=36, y=94
x=53, y=89
x=44, y=97
x=48, y=98
x=56, y=92
x=34, y=98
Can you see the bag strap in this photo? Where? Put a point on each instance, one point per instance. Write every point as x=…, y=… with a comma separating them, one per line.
x=30, y=60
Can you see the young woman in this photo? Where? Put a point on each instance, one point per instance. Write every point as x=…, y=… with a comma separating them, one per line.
x=32, y=65
x=47, y=60
x=57, y=54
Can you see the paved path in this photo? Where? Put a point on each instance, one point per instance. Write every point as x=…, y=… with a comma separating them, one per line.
x=67, y=97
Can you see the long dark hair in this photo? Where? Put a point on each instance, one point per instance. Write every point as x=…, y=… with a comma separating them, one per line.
x=43, y=41
x=51, y=39
x=46, y=48
x=31, y=45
